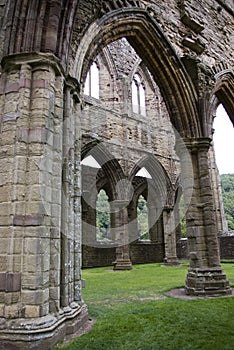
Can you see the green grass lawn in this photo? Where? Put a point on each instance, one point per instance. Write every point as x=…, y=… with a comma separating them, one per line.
x=133, y=313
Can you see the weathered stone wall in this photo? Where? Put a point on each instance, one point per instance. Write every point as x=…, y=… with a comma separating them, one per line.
x=226, y=247
x=97, y=256
x=149, y=252
x=140, y=253
x=129, y=136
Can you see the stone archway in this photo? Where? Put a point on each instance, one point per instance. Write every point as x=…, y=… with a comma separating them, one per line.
x=162, y=64
x=44, y=60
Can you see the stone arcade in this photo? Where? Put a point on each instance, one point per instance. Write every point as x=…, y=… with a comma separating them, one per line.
x=178, y=55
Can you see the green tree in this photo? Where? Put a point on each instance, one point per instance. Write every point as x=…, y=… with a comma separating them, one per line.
x=227, y=185
x=182, y=218
x=142, y=218
x=102, y=216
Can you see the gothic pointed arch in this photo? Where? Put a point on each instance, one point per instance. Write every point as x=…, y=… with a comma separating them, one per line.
x=159, y=183
x=39, y=25
x=224, y=91
x=145, y=36
x=110, y=167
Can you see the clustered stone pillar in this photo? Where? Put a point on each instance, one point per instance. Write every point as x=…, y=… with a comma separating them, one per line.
x=217, y=191
x=33, y=214
x=122, y=261
x=169, y=237
x=205, y=275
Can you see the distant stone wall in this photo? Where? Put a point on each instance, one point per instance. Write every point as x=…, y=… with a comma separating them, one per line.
x=97, y=256
x=145, y=253
x=226, y=247
x=182, y=249
x=226, y=244
x=140, y=253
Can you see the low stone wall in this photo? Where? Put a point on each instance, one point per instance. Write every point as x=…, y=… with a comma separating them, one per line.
x=182, y=248
x=97, y=256
x=144, y=252
x=140, y=253
x=226, y=244
x=227, y=247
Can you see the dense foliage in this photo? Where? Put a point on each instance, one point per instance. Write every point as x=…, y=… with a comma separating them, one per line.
x=103, y=211
x=103, y=216
x=103, y=223
x=227, y=184
x=142, y=219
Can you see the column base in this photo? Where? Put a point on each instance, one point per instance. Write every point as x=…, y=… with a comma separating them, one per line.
x=207, y=282
x=171, y=261
x=42, y=333
x=122, y=264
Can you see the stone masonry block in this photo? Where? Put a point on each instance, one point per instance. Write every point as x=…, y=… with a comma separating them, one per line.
x=10, y=281
x=12, y=311
x=35, y=297
x=32, y=311
x=31, y=281
x=28, y=220
x=2, y=309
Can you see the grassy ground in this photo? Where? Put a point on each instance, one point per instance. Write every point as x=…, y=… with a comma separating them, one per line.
x=133, y=313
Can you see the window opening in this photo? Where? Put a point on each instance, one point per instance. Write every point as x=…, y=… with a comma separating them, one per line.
x=142, y=219
x=91, y=87
x=138, y=96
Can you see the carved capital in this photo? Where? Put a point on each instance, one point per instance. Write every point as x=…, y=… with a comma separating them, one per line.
x=193, y=145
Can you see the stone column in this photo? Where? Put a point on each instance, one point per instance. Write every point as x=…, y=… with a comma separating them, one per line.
x=218, y=198
x=205, y=275
x=122, y=261
x=30, y=198
x=169, y=237
x=154, y=220
x=132, y=222
x=89, y=236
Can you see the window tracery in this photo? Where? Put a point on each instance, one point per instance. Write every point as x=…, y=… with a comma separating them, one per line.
x=138, y=95
x=91, y=87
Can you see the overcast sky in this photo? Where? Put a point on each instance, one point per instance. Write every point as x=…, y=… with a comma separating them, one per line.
x=224, y=142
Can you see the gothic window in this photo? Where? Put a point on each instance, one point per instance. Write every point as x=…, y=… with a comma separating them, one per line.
x=138, y=95
x=102, y=216
x=142, y=219
x=91, y=87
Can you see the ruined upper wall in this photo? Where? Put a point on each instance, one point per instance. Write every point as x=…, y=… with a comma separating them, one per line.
x=203, y=28
x=184, y=44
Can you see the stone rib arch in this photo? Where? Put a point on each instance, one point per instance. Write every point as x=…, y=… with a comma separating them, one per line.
x=107, y=58
x=160, y=182
x=141, y=69
x=39, y=25
x=223, y=93
x=110, y=166
x=158, y=55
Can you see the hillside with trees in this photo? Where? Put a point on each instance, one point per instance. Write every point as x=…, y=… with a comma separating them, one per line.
x=227, y=184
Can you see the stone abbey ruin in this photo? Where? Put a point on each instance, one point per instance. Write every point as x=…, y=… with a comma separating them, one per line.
x=117, y=98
